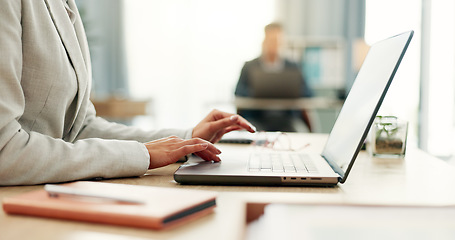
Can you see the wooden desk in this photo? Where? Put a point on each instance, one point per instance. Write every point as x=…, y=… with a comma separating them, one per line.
x=115, y=108
x=417, y=179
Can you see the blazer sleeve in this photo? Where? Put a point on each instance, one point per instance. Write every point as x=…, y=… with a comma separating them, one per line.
x=33, y=158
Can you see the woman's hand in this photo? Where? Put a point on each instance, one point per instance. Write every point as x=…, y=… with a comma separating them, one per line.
x=218, y=123
x=169, y=150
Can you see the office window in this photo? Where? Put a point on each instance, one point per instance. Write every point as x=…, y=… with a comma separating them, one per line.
x=386, y=18
x=186, y=55
x=438, y=62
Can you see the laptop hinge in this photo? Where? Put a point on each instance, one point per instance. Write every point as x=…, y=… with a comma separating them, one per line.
x=335, y=168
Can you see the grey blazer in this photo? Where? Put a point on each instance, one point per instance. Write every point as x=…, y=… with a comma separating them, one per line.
x=48, y=128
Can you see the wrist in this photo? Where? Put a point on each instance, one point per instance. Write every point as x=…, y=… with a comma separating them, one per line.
x=146, y=154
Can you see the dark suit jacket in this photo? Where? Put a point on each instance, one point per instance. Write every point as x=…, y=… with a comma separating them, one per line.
x=243, y=86
x=243, y=89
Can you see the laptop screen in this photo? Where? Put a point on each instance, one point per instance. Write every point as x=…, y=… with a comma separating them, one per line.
x=363, y=102
x=283, y=84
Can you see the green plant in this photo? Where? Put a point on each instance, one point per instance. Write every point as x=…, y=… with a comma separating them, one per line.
x=389, y=136
x=387, y=125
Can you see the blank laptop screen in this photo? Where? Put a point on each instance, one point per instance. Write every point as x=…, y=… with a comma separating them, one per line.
x=364, y=100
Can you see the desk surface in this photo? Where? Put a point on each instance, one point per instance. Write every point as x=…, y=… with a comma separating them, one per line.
x=417, y=179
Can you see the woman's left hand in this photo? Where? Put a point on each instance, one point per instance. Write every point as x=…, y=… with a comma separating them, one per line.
x=218, y=123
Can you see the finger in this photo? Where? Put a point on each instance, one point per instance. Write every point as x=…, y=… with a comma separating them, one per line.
x=218, y=115
x=188, y=149
x=232, y=121
x=218, y=125
x=210, y=146
x=243, y=123
x=232, y=128
x=208, y=156
x=213, y=149
x=220, y=134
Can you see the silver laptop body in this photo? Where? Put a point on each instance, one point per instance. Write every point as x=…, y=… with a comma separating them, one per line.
x=344, y=142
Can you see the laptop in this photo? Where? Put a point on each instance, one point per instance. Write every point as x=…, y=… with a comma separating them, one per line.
x=283, y=84
x=332, y=166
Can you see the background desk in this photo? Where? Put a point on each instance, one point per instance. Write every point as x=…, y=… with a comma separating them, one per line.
x=287, y=104
x=417, y=179
x=322, y=111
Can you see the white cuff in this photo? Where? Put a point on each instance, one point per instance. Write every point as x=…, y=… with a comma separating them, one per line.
x=188, y=134
x=146, y=152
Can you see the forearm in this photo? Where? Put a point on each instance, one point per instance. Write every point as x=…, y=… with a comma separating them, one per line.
x=33, y=158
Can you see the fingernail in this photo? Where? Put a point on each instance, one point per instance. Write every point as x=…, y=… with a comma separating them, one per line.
x=234, y=118
x=204, y=145
x=252, y=127
x=218, y=151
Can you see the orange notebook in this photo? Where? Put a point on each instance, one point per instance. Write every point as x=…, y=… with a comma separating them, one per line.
x=157, y=207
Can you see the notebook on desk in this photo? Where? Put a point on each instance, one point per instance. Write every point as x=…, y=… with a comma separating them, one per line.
x=117, y=204
x=333, y=165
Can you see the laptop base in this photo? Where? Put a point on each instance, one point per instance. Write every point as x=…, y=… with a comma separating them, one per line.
x=253, y=180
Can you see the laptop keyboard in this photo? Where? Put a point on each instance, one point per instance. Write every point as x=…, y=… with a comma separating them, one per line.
x=281, y=162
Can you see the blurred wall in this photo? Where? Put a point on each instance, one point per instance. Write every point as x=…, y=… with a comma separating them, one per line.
x=336, y=19
x=103, y=22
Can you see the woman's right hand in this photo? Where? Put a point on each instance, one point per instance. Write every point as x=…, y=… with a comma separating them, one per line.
x=169, y=150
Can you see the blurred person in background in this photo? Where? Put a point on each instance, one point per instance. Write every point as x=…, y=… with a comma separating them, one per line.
x=274, y=62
